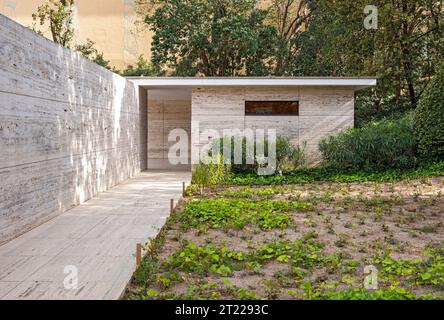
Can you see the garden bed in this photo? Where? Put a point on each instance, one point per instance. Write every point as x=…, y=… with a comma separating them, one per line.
x=300, y=241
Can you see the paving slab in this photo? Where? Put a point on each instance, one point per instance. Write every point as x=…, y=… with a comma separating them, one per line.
x=96, y=239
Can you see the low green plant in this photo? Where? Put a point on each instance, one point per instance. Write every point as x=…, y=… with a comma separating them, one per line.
x=235, y=213
x=326, y=174
x=204, y=259
x=363, y=294
x=300, y=253
x=211, y=172
x=433, y=272
x=288, y=154
x=245, y=294
x=423, y=271
x=250, y=193
x=342, y=240
x=239, y=146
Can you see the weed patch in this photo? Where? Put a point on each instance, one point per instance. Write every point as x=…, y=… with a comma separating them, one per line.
x=233, y=213
x=325, y=174
x=204, y=259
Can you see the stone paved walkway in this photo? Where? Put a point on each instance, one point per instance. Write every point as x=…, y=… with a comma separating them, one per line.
x=98, y=238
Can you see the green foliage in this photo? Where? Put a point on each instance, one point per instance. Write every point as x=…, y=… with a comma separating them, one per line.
x=288, y=156
x=249, y=162
x=220, y=213
x=305, y=38
x=379, y=145
x=58, y=15
x=403, y=52
x=146, y=272
x=142, y=68
x=290, y=18
x=434, y=265
x=204, y=259
x=363, y=294
x=302, y=254
x=369, y=109
x=89, y=51
x=253, y=193
x=244, y=294
x=220, y=260
x=211, y=37
x=427, y=271
x=429, y=121
x=325, y=174
x=404, y=268
x=211, y=172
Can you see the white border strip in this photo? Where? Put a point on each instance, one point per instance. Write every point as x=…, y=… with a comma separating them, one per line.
x=245, y=82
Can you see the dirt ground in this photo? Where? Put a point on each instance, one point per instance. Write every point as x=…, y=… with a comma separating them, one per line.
x=394, y=227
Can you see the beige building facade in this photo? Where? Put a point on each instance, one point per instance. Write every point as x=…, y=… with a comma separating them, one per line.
x=109, y=23
x=302, y=109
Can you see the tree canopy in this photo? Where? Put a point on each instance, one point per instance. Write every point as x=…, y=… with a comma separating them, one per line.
x=211, y=37
x=303, y=38
x=403, y=52
x=58, y=15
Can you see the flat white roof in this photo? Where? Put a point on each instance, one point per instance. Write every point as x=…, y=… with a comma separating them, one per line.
x=157, y=82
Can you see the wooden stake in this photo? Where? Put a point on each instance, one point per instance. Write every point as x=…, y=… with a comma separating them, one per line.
x=171, y=206
x=183, y=189
x=138, y=254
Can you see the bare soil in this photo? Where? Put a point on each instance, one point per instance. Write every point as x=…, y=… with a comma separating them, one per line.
x=358, y=220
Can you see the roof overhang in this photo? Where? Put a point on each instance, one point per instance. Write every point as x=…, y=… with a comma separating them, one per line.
x=174, y=82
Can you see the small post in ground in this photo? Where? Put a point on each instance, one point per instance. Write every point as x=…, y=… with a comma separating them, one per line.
x=171, y=206
x=138, y=254
x=183, y=189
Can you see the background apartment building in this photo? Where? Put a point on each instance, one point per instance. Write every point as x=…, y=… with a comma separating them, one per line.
x=110, y=23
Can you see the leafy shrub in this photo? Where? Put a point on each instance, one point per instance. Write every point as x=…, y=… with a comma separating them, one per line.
x=89, y=51
x=371, y=106
x=249, y=161
x=429, y=120
x=378, y=145
x=287, y=154
x=142, y=68
x=211, y=172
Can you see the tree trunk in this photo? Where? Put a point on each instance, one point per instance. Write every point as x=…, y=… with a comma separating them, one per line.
x=408, y=74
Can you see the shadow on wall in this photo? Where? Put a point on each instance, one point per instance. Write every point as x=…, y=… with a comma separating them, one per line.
x=68, y=129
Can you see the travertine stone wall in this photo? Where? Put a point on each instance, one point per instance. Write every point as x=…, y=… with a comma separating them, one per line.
x=68, y=129
x=323, y=111
x=214, y=109
x=167, y=110
x=284, y=125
